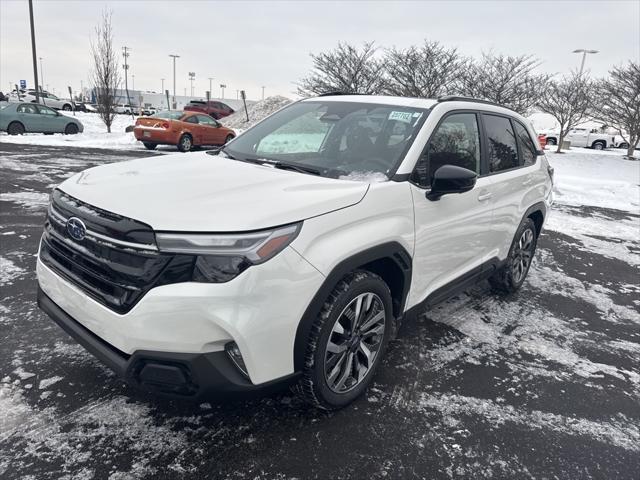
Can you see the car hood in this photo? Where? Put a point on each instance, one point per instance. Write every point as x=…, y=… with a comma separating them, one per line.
x=201, y=192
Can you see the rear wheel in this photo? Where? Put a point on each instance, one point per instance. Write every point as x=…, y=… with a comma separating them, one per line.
x=149, y=145
x=511, y=276
x=228, y=139
x=347, y=341
x=15, y=128
x=71, y=129
x=185, y=144
x=599, y=145
x=551, y=141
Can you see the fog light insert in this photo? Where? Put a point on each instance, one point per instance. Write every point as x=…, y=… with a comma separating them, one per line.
x=236, y=357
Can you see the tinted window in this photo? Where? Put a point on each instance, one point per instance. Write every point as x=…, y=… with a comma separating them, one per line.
x=169, y=115
x=27, y=109
x=204, y=120
x=501, y=143
x=191, y=119
x=527, y=147
x=47, y=111
x=455, y=142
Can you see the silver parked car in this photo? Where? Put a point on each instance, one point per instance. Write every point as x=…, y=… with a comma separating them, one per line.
x=19, y=118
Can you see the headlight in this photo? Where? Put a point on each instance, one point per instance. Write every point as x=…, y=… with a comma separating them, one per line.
x=221, y=257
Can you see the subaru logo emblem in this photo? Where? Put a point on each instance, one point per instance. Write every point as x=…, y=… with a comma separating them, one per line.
x=76, y=228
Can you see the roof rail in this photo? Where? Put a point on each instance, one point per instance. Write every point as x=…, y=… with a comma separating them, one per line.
x=337, y=92
x=458, y=98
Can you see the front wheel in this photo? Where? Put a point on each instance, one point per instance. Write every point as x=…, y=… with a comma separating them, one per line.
x=510, y=277
x=149, y=145
x=551, y=141
x=66, y=107
x=598, y=145
x=347, y=341
x=185, y=144
x=228, y=139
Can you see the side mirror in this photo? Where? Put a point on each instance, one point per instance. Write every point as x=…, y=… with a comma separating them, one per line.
x=451, y=179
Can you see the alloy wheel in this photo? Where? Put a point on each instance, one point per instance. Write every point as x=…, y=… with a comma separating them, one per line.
x=354, y=342
x=522, y=256
x=186, y=143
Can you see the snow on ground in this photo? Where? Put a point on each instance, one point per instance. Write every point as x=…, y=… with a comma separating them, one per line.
x=94, y=135
x=604, y=179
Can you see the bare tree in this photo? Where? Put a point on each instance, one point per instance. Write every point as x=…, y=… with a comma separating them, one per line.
x=569, y=101
x=345, y=69
x=105, y=73
x=429, y=71
x=506, y=80
x=618, y=103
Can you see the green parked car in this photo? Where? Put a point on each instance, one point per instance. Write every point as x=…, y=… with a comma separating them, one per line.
x=19, y=118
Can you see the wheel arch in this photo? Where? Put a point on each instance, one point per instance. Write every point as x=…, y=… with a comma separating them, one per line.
x=390, y=261
x=537, y=213
x=24, y=127
x=603, y=142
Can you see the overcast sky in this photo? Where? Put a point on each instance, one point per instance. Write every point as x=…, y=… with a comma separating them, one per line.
x=249, y=44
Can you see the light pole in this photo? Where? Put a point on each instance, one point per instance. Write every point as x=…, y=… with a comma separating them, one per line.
x=222, y=87
x=33, y=52
x=162, y=91
x=210, y=88
x=41, y=72
x=237, y=94
x=584, y=52
x=263, y=92
x=174, y=79
x=192, y=77
x=125, y=54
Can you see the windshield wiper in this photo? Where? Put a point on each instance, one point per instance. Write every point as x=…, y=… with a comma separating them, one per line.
x=296, y=168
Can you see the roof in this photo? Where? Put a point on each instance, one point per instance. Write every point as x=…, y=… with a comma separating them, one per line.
x=379, y=99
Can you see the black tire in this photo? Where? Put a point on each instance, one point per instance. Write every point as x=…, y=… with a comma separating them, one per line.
x=71, y=129
x=228, y=139
x=185, y=144
x=149, y=145
x=15, y=128
x=510, y=277
x=315, y=387
x=599, y=145
x=623, y=145
x=551, y=141
x=66, y=107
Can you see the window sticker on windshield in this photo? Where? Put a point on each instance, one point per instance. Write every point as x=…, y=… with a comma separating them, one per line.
x=401, y=116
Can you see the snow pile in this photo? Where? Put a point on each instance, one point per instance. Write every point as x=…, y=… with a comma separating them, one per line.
x=257, y=112
x=583, y=177
x=368, y=177
x=94, y=135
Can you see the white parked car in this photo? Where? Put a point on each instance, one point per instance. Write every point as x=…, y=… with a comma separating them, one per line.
x=125, y=108
x=46, y=98
x=292, y=255
x=583, y=137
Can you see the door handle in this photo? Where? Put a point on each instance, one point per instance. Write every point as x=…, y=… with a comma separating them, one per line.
x=484, y=196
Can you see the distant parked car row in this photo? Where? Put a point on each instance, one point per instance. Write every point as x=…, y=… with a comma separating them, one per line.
x=19, y=118
x=48, y=99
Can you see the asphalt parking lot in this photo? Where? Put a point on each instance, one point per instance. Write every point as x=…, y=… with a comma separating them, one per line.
x=542, y=384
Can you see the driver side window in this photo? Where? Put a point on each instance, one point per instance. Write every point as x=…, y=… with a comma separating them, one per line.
x=455, y=142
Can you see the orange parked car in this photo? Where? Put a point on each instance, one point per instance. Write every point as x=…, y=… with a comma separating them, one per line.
x=183, y=129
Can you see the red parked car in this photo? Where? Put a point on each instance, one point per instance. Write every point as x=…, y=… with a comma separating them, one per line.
x=213, y=108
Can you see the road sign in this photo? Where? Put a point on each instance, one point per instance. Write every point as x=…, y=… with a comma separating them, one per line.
x=23, y=84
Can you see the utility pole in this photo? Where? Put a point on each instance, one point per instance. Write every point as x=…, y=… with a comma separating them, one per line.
x=222, y=87
x=162, y=86
x=81, y=91
x=133, y=82
x=33, y=51
x=192, y=77
x=584, y=52
x=174, y=106
x=263, y=92
x=237, y=94
x=210, y=88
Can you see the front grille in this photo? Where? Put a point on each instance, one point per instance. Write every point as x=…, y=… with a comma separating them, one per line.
x=116, y=263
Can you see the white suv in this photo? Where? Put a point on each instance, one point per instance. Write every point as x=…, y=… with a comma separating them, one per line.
x=293, y=254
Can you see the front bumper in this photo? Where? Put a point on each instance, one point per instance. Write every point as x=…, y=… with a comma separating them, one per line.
x=195, y=375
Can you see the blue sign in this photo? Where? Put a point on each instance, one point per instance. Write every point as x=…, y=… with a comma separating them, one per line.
x=23, y=84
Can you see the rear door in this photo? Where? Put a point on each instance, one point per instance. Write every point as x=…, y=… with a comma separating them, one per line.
x=28, y=115
x=516, y=178
x=453, y=235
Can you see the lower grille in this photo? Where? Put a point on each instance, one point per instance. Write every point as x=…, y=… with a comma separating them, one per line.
x=110, y=264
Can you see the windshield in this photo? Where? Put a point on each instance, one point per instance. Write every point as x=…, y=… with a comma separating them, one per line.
x=335, y=138
x=169, y=115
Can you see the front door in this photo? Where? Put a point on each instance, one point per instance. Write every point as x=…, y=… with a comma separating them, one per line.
x=50, y=120
x=453, y=235
x=210, y=130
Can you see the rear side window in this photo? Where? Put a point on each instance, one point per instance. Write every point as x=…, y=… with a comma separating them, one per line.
x=501, y=143
x=27, y=109
x=455, y=142
x=191, y=119
x=528, y=151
